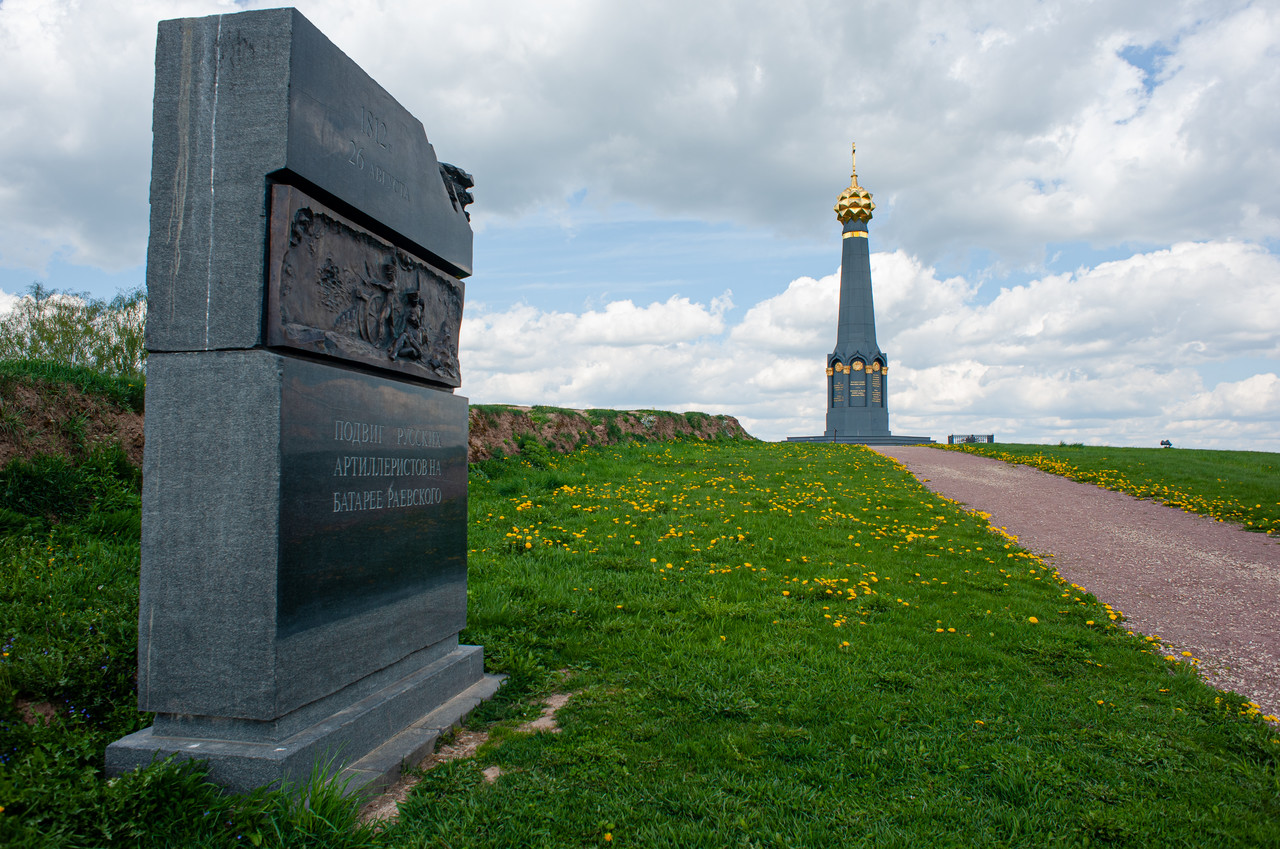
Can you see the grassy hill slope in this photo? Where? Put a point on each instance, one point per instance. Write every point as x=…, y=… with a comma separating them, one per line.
x=762, y=644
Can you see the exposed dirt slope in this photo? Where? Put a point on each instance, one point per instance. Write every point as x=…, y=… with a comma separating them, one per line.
x=502, y=428
x=43, y=417
x=38, y=417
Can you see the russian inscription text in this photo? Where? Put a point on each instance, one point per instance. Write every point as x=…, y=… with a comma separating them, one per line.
x=373, y=492
x=858, y=388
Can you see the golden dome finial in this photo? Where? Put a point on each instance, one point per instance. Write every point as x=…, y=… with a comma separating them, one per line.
x=855, y=201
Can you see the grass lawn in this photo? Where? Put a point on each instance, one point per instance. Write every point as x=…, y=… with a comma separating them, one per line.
x=785, y=645
x=1235, y=486
x=768, y=645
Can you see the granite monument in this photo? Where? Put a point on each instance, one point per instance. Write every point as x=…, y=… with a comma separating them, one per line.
x=304, y=557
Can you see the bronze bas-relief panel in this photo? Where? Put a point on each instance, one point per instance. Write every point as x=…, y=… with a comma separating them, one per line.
x=336, y=289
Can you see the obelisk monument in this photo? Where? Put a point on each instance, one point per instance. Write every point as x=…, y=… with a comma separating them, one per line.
x=857, y=385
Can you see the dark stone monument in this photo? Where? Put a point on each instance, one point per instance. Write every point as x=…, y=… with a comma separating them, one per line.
x=304, y=558
x=857, y=370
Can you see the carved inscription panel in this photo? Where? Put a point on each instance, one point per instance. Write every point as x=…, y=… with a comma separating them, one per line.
x=336, y=289
x=373, y=503
x=857, y=389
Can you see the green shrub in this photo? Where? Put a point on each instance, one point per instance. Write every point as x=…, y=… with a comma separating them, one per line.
x=533, y=450
x=125, y=524
x=76, y=329
x=540, y=414
x=68, y=630
x=489, y=412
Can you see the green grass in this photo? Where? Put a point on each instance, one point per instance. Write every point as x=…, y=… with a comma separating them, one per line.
x=490, y=409
x=759, y=637
x=1235, y=486
x=124, y=391
x=69, y=550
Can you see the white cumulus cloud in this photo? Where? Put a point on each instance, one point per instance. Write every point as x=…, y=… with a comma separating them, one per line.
x=1108, y=353
x=1255, y=398
x=999, y=127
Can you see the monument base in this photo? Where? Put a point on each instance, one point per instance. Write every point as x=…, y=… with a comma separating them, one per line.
x=879, y=439
x=366, y=742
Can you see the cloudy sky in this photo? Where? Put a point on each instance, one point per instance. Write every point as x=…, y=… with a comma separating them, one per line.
x=1077, y=232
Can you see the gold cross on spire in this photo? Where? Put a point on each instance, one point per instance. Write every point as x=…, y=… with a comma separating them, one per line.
x=855, y=201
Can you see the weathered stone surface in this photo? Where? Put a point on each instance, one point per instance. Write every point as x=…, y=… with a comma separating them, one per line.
x=264, y=567
x=305, y=478
x=210, y=484
x=247, y=100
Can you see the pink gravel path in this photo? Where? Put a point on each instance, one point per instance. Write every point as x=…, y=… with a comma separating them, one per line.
x=1204, y=586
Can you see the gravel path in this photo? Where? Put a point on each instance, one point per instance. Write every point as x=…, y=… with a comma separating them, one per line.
x=1204, y=586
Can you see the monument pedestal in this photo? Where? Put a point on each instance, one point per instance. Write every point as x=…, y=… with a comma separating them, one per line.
x=242, y=755
x=886, y=439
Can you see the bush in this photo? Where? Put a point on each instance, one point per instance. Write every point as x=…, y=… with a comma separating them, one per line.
x=532, y=449
x=76, y=329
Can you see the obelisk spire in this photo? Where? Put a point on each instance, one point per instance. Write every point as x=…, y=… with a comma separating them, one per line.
x=857, y=369
x=856, y=399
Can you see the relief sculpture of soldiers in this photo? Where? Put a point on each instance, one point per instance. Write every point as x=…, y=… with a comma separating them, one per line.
x=339, y=290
